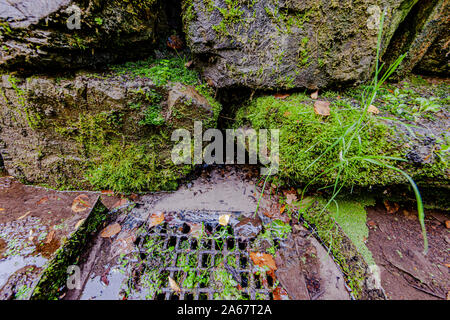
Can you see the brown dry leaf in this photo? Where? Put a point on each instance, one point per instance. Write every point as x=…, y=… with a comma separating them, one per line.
x=391, y=207
x=108, y=192
x=174, y=286
x=111, y=230
x=373, y=109
x=447, y=224
x=283, y=208
x=50, y=237
x=263, y=260
x=156, y=219
x=322, y=108
x=42, y=201
x=120, y=203
x=79, y=223
x=80, y=203
x=287, y=114
x=196, y=230
x=281, y=96
x=24, y=216
x=315, y=95
x=280, y=294
x=224, y=219
x=290, y=198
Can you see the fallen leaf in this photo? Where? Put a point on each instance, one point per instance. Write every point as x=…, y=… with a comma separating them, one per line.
x=156, y=219
x=372, y=223
x=290, y=198
x=263, y=260
x=281, y=96
x=174, y=286
x=280, y=294
x=322, y=108
x=188, y=64
x=25, y=215
x=104, y=277
x=224, y=219
x=447, y=265
x=197, y=230
x=111, y=230
x=268, y=214
x=391, y=207
x=42, y=201
x=2, y=209
x=315, y=95
x=50, y=237
x=283, y=208
x=447, y=224
x=373, y=109
x=80, y=203
x=79, y=223
x=133, y=197
x=108, y=192
x=120, y=203
x=287, y=114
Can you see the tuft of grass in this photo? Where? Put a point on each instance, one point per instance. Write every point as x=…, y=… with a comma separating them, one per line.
x=352, y=136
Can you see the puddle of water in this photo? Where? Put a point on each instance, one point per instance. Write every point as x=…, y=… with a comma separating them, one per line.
x=95, y=289
x=13, y=264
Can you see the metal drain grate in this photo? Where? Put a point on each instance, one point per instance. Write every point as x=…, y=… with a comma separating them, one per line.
x=219, y=252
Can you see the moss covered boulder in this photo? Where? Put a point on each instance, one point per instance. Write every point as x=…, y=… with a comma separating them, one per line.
x=66, y=34
x=268, y=44
x=329, y=151
x=102, y=131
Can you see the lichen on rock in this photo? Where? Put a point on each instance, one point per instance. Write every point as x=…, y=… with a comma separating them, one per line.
x=102, y=131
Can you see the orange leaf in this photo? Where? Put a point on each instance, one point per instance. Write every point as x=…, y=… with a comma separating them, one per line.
x=280, y=294
x=108, y=192
x=120, y=203
x=42, y=201
x=156, y=219
x=111, y=230
x=322, y=108
x=50, y=237
x=281, y=96
x=263, y=260
x=283, y=208
x=80, y=203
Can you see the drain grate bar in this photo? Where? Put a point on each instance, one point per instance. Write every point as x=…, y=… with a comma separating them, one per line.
x=209, y=255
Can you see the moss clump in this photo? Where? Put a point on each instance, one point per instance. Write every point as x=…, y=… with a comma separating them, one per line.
x=310, y=150
x=351, y=216
x=343, y=249
x=55, y=274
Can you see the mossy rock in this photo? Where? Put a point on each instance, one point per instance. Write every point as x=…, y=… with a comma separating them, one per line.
x=59, y=35
x=284, y=44
x=103, y=131
x=312, y=151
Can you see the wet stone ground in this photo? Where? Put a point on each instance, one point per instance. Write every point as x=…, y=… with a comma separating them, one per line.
x=177, y=245
x=34, y=223
x=191, y=256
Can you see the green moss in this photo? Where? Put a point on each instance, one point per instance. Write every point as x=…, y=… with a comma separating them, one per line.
x=307, y=144
x=344, y=251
